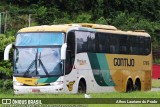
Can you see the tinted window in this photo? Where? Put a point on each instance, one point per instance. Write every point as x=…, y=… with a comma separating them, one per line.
x=85, y=41
x=91, y=42
x=147, y=43
x=101, y=43
x=70, y=54
x=122, y=44
x=112, y=43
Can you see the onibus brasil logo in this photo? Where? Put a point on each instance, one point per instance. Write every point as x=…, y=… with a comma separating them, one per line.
x=21, y=101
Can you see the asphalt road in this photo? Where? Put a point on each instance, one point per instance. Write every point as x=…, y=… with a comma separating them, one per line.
x=155, y=89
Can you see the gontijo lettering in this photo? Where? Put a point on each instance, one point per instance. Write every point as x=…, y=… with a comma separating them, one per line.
x=123, y=62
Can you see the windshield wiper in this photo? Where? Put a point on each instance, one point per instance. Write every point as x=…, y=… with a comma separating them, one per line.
x=40, y=63
x=31, y=65
x=36, y=67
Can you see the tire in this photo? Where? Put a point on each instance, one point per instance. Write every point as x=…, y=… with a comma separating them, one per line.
x=81, y=87
x=137, y=86
x=129, y=87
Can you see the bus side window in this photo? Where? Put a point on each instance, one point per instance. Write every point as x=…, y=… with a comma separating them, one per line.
x=70, y=54
x=147, y=45
x=141, y=45
x=122, y=44
x=113, y=44
x=135, y=45
x=112, y=49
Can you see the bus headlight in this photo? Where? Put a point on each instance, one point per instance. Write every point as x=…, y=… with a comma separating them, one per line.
x=17, y=83
x=56, y=83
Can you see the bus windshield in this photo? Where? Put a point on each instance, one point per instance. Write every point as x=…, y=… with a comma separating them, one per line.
x=39, y=39
x=38, y=54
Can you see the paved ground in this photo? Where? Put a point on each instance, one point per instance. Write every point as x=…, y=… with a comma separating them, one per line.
x=155, y=89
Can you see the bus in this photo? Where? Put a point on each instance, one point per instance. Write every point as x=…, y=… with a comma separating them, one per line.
x=80, y=58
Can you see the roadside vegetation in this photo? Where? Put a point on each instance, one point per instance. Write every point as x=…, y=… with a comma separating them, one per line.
x=156, y=83
x=136, y=94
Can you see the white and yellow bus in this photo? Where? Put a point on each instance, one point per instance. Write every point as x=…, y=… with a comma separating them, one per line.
x=75, y=58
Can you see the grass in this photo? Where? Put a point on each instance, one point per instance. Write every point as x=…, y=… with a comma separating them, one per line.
x=146, y=94
x=156, y=83
x=142, y=94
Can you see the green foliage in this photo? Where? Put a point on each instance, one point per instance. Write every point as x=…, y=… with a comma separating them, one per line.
x=5, y=69
x=7, y=84
x=63, y=19
x=1, y=83
x=156, y=61
x=5, y=66
x=102, y=20
x=83, y=17
x=4, y=41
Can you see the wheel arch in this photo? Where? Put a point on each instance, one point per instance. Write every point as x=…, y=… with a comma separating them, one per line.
x=82, y=78
x=128, y=78
x=137, y=79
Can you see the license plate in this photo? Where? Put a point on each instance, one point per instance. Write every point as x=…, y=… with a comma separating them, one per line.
x=36, y=90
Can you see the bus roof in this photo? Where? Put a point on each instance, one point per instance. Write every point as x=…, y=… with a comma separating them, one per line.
x=45, y=28
x=83, y=26
x=112, y=29
x=131, y=33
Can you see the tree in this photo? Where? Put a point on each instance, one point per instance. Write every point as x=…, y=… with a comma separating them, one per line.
x=5, y=66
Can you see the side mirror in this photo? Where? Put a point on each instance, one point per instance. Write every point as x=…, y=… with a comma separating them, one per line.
x=6, y=51
x=63, y=51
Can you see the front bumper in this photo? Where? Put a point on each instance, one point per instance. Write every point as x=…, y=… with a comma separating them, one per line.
x=38, y=89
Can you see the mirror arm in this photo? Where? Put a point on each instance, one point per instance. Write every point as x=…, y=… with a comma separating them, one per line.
x=6, y=51
x=63, y=51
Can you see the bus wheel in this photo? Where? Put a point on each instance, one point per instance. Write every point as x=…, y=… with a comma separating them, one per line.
x=129, y=87
x=137, y=86
x=81, y=87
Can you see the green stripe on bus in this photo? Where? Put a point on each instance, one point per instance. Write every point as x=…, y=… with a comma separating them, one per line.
x=94, y=61
x=96, y=69
x=48, y=80
x=100, y=69
x=105, y=69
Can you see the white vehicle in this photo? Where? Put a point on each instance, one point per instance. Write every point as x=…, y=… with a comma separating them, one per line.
x=75, y=58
